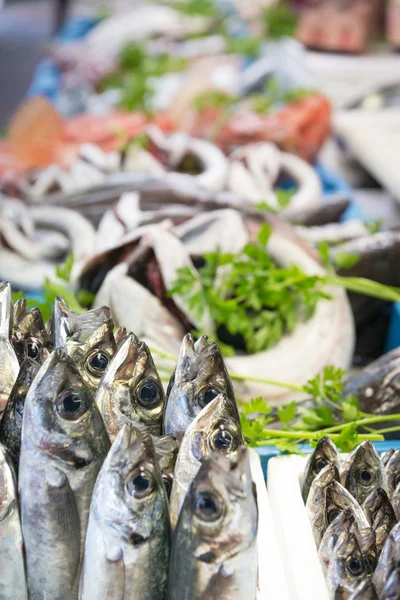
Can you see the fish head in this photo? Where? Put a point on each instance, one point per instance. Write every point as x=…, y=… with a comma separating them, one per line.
x=380, y=515
x=166, y=448
x=344, y=521
x=365, y=591
x=131, y=390
x=325, y=453
x=200, y=376
x=130, y=497
x=29, y=332
x=392, y=586
x=61, y=419
x=87, y=338
x=347, y=567
x=339, y=499
x=393, y=471
x=8, y=496
x=222, y=508
x=363, y=471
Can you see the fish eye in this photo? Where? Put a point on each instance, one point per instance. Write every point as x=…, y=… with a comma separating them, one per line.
x=97, y=362
x=71, y=405
x=370, y=563
x=32, y=349
x=208, y=507
x=366, y=477
x=167, y=484
x=140, y=485
x=207, y=395
x=222, y=440
x=320, y=464
x=355, y=566
x=333, y=514
x=148, y=394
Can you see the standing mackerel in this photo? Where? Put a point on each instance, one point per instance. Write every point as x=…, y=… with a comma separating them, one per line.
x=12, y=578
x=64, y=443
x=214, y=553
x=9, y=366
x=128, y=538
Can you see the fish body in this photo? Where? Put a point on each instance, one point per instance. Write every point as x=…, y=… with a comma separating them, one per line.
x=199, y=377
x=131, y=391
x=392, y=588
x=9, y=366
x=12, y=580
x=214, y=430
x=325, y=453
x=214, y=552
x=11, y=422
x=128, y=538
x=363, y=472
x=388, y=560
x=380, y=515
x=64, y=443
x=316, y=500
x=87, y=338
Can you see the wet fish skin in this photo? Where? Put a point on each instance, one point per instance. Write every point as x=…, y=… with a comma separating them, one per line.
x=87, y=338
x=200, y=375
x=29, y=332
x=128, y=539
x=11, y=422
x=388, y=560
x=131, y=391
x=386, y=457
x=395, y=500
x=325, y=453
x=365, y=591
x=393, y=472
x=166, y=448
x=346, y=568
x=380, y=515
x=363, y=472
x=214, y=431
x=9, y=366
x=214, y=552
x=12, y=581
x=64, y=443
x=316, y=500
x=392, y=587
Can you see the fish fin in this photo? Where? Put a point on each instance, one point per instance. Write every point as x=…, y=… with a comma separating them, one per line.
x=6, y=311
x=62, y=505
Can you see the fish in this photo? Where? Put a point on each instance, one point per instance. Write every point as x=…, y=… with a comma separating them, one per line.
x=166, y=448
x=365, y=591
x=87, y=338
x=29, y=334
x=327, y=212
x=380, y=515
x=214, y=430
x=130, y=390
x=214, y=552
x=11, y=422
x=363, y=472
x=64, y=443
x=120, y=335
x=9, y=365
x=12, y=581
x=395, y=500
x=377, y=387
x=199, y=377
x=393, y=472
x=346, y=568
x=388, y=560
x=392, y=588
x=128, y=538
x=325, y=453
x=337, y=500
x=317, y=497
x=385, y=459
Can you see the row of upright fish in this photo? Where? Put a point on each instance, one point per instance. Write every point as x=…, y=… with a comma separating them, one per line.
x=354, y=510
x=90, y=442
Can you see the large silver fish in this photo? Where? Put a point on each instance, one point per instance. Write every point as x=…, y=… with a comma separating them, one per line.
x=128, y=538
x=215, y=430
x=11, y=422
x=214, y=552
x=29, y=332
x=363, y=472
x=200, y=375
x=380, y=515
x=131, y=391
x=388, y=560
x=64, y=443
x=12, y=579
x=325, y=453
x=87, y=338
x=317, y=498
x=347, y=569
x=9, y=366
